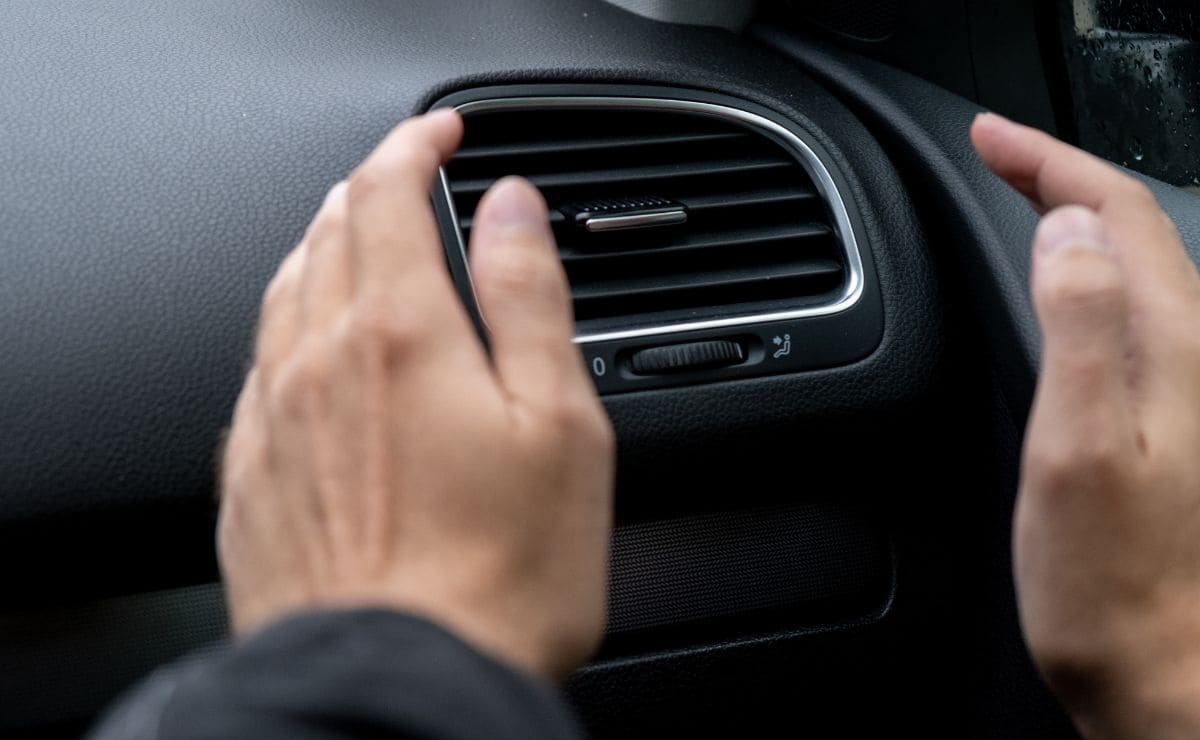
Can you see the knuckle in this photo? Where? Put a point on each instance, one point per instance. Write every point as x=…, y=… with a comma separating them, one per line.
x=408, y=158
x=304, y=384
x=1139, y=194
x=276, y=291
x=241, y=450
x=1100, y=453
x=364, y=183
x=582, y=640
x=331, y=219
x=285, y=284
x=580, y=419
x=227, y=529
x=523, y=272
x=381, y=172
x=1180, y=340
x=1170, y=228
x=1068, y=660
x=1090, y=283
x=232, y=524
x=1088, y=457
x=603, y=435
x=378, y=327
x=567, y=417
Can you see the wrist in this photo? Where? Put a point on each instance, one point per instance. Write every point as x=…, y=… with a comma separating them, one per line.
x=1141, y=681
x=512, y=631
x=1165, y=707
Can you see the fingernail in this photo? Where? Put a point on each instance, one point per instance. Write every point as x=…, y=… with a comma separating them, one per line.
x=441, y=113
x=993, y=119
x=1071, y=227
x=337, y=191
x=513, y=203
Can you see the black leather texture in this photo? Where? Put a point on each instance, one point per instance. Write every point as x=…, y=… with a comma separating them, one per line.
x=990, y=227
x=160, y=159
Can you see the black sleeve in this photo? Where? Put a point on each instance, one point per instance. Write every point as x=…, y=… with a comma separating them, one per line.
x=351, y=674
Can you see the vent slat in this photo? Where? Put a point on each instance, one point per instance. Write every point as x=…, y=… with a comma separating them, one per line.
x=571, y=251
x=757, y=237
x=700, y=242
x=742, y=199
x=713, y=202
x=632, y=175
x=465, y=223
x=575, y=146
x=701, y=281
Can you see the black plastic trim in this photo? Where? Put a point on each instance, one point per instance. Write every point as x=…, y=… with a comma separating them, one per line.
x=819, y=341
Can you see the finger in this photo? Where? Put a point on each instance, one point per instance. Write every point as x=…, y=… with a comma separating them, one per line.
x=279, y=323
x=245, y=440
x=395, y=242
x=326, y=284
x=250, y=520
x=523, y=293
x=1080, y=295
x=1162, y=284
x=1044, y=169
x=1051, y=174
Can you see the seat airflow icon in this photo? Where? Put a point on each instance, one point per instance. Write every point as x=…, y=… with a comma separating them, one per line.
x=784, y=344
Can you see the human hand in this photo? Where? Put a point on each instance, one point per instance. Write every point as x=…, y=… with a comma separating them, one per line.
x=1107, y=530
x=379, y=458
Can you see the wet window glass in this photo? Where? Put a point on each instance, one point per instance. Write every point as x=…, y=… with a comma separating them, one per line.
x=1134, y=69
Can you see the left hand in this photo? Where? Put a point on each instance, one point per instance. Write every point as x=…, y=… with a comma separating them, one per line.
x=379, y=457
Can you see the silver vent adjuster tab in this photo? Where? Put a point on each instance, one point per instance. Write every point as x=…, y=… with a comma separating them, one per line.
x=625, y=213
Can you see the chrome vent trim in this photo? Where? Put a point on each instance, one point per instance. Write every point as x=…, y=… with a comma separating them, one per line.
x=822, y=179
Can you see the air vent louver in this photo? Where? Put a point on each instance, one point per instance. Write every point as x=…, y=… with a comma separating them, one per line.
x=757, y=237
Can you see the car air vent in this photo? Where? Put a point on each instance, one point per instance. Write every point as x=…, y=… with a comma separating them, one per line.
x=666, y=213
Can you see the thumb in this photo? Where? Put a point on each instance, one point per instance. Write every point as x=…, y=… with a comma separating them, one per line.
x=523, y=292
x=1079, y=292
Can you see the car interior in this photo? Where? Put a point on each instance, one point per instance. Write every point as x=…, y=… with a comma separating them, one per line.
x=802, y=298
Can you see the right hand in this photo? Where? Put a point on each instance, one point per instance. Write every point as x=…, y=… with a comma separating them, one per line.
x=1107, y=531
x=380, y=458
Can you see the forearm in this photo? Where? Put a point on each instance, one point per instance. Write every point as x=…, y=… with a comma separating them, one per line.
x=343, y=675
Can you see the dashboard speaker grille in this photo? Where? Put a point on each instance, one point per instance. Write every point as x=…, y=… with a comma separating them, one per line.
x=812, y=558
x=662, y=215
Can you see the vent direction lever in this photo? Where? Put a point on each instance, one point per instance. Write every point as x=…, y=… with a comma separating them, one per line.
x=625, y=213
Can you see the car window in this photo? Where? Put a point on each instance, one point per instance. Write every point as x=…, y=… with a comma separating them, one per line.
x=1134, y=71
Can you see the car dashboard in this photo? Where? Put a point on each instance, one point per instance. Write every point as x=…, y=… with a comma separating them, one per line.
x=802, y=300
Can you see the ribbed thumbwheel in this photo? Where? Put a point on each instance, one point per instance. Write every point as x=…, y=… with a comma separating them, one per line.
x=684, y=357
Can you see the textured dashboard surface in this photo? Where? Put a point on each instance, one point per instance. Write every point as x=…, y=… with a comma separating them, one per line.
x=981, y=231
x=927, y=128
x=160, y=159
